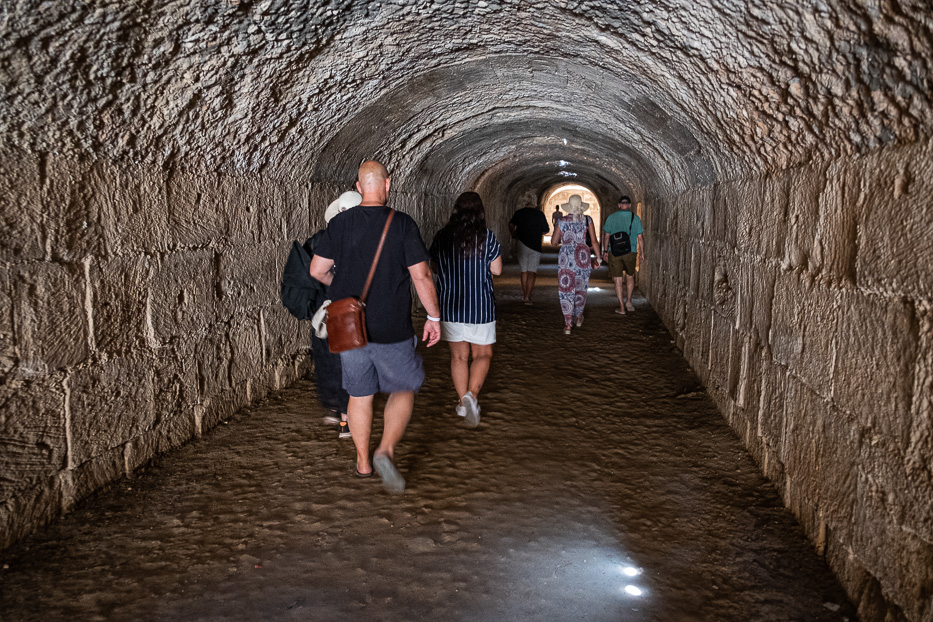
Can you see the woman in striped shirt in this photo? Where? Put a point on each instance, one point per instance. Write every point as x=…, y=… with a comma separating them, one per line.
x=465, y=255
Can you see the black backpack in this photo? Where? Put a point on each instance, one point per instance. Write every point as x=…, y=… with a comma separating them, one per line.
x=301, y=293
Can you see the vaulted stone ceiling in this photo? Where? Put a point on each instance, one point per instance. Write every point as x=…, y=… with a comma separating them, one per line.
x=655, y=95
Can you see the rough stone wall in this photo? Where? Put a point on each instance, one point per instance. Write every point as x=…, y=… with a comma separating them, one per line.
x=804, y=301
x=138, y=308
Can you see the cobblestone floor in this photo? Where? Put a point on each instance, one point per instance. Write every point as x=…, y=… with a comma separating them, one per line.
x=601, y=485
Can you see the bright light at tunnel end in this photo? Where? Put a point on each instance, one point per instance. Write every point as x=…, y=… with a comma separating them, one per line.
x=631, y=590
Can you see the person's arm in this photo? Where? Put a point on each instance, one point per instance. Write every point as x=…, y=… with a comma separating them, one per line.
x=641, y=247
x=495, y=266
x=512, y=229
x=424, y=285
x=320, y=269
x=594, y=241
x=605, y=246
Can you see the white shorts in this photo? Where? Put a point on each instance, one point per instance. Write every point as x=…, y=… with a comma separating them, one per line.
x=528, y=260
x=480, y=334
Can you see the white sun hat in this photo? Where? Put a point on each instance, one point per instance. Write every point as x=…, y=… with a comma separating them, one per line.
x=345, y=201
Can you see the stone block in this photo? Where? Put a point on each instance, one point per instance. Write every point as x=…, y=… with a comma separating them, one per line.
x=22, y=217
x=771, y=404
x=700, y=202
x=283, y=212
x=918, y=517
x=50, y=317
x=110, y=403
x=7, y=347
x=24, y=513
x=182, y=294
x=876, y=351
x=903, y=564
x=76, y=222
x=805, y=186
x=246, y=348
x=753, y=283
x=729, y=200
x=697, y=340
x=891, y=193
x=170, y=433
x=175, y=378
x=212, y=354
x=93, y=475
x=820, y=455
x=196, y=210
x=133, y=203
x=242, y=208
x=725, y=274
x=33, y=446
x=806, y=316
x=721, y=359
x=120, y=287
x=250, y=276
x=835, y=246
x=283, y=333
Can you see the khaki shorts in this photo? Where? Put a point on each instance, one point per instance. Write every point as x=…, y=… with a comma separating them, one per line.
x=528, y=259
x=622, y=264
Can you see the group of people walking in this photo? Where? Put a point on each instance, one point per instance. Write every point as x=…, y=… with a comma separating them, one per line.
x=465, y=255
x=622, y=247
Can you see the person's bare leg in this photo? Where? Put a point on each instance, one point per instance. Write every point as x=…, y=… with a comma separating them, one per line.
x=360, y=420
x=396, y=417
x=532, y=277
x=482, y=357
x=524, y=277
x=617, y=281
x=631, y=286
x=460, y=366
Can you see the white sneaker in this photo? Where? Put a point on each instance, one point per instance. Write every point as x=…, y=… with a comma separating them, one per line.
x=629, y=306
x=461, y=410
x=471, y=409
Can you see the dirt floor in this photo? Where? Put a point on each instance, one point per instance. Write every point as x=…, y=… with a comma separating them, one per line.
x=602, y=484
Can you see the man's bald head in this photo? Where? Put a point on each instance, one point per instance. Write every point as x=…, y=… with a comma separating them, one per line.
x=373, y=183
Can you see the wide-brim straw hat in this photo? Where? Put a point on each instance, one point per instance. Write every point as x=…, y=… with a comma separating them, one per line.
x=345, y=201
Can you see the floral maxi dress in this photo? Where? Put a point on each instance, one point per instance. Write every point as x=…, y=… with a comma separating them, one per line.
x=574, y=266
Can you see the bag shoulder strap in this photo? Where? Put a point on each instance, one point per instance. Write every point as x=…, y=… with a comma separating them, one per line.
x=372, y=268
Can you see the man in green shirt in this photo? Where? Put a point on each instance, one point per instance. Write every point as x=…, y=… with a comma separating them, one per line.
x=623, y=223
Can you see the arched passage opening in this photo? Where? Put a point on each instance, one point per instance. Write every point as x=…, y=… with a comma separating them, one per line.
x=559, y=195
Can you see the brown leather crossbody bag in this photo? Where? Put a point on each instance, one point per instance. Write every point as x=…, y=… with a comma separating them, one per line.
x=346, y=318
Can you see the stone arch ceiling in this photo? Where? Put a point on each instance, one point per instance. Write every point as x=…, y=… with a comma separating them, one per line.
x=654, y=95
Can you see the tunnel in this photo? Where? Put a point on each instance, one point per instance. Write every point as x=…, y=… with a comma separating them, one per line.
x=159, y=158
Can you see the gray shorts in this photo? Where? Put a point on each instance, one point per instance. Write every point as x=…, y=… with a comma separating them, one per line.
x=528, y=260
x=382, y=368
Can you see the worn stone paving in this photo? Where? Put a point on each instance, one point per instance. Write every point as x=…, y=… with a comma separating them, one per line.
x=602, y=484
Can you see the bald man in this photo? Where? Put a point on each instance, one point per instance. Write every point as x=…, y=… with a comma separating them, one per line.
x=389, y=363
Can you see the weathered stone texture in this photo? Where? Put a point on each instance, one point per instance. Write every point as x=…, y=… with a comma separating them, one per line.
x=32, y=433
x=50, y=317
x=833, y=339
x=183, y=294
x=120, y=287
x=110, y=403
x=21, y=218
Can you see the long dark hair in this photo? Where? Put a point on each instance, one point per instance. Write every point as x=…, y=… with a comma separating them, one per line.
x=466, y=229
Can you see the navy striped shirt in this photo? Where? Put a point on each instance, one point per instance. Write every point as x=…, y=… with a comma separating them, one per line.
x=465, y=283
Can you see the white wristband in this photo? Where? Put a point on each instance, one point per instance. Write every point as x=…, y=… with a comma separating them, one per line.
x=434, y=319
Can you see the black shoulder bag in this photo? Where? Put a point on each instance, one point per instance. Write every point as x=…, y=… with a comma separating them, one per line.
x=621, y=243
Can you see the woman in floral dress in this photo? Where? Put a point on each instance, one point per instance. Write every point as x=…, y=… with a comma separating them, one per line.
x=573, y=262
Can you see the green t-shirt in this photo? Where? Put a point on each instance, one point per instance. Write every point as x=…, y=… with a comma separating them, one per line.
x=620, y=221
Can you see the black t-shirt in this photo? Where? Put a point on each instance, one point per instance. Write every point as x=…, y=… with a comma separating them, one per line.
x=350, y=240
x=530, y=224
